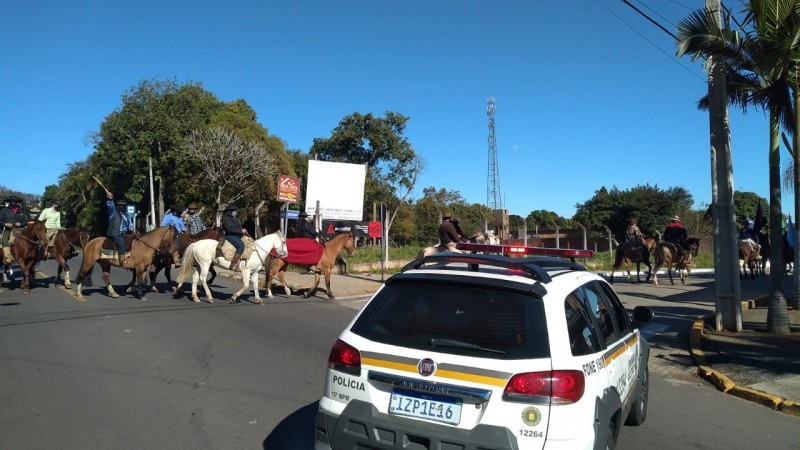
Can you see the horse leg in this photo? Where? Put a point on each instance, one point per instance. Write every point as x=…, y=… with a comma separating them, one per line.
x=313, y=290
x=195, y=278
x=254, y=282
x=282, y=278
x=26, y=274
x=107, y=280
x=202, y=274
x=669, y=271
x=655, y=273
x=328, y=284
x=245, y=285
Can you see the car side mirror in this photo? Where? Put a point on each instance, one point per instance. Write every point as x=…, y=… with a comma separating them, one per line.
x=642, y=314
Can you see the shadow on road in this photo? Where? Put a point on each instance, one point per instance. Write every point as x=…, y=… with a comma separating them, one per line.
x=295, y=431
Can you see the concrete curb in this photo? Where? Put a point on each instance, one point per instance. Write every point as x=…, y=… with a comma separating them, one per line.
x=725, y=384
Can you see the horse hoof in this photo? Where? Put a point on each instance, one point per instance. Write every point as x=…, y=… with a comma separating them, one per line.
x=259, y=302
x=114, y=295
x=210, y=300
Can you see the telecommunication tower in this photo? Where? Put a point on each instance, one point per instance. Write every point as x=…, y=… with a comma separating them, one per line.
x=493, y=200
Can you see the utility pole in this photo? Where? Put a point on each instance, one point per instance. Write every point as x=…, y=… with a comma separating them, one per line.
x=728, y=311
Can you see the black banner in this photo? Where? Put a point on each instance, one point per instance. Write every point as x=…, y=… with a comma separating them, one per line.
x=331, y=228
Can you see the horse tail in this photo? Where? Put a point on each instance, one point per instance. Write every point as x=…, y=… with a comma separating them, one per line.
x=618, y=256
x=187, y=264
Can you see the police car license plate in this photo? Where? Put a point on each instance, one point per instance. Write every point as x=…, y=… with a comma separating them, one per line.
x=426, y=406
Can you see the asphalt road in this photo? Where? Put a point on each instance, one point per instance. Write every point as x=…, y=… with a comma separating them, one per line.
x=167, y=373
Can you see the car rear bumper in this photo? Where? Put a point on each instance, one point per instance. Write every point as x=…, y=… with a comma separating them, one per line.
x=360, y=424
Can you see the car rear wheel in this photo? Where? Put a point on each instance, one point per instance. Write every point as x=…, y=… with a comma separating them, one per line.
x=638, y=412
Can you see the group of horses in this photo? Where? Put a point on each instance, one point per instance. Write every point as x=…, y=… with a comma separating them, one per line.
x=158, y=250
x=756, y=261
x=666, y=255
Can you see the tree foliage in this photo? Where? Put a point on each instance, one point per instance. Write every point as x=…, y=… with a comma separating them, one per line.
x=651, y=206
x=232, y=168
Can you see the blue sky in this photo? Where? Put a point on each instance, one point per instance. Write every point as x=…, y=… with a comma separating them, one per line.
x=588, y=93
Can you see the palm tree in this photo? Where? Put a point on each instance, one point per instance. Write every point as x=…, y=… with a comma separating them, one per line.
x=758, y=58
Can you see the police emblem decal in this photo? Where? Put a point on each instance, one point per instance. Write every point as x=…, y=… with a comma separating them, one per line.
x=531, y=416
x=426, y=367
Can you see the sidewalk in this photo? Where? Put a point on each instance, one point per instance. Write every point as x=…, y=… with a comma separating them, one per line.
x=753, y=364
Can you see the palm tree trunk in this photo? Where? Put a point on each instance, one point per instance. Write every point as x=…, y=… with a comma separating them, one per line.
x=777, y=315
x=795, y=300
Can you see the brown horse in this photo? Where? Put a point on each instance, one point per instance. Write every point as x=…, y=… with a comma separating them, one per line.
x=28, y=250
x=748, y=259
x=164, y=262
x=67, y=243
x=632, y=253
x=667, y=254
x=158, y=242
x=323, y=267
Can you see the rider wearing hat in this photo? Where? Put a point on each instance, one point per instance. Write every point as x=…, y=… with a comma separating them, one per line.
x=51, y=217
x=306, y=229
x=448, y=235
x=194, y=223
x=460, y=232
x=634, y=234
x=748, y=235
x=173, y=218
x=12, y=216
x=118, y=225
x=233, y=233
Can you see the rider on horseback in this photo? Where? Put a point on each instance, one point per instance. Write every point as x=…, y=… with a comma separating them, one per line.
x=748, y=235
x=119, y=224
x=12, y=216
x=305, y=229
x=233, y=233
x=51, y=217
x=174, y=219
x=448, y=235
x=676, y=233
x=460, y=232
x=194, y=224
x=634, y=234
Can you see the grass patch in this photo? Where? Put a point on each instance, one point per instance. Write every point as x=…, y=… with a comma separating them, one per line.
x=602, y=261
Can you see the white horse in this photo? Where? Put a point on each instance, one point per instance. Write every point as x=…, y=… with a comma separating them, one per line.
x=203, y=252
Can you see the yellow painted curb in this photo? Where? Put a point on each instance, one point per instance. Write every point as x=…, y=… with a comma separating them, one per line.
x=790, y=407
x=720, y=381
x=757, y=396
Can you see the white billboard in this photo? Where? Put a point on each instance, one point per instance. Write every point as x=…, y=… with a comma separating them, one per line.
x=339, y=188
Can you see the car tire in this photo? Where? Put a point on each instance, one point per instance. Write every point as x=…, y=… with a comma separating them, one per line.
x=638, y=412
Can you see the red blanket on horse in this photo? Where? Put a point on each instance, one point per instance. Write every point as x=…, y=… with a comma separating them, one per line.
x=303, y=251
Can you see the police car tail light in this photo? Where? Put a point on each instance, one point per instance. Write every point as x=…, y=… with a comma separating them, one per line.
x=510, y=250
x=345, y=358
x=557, y=386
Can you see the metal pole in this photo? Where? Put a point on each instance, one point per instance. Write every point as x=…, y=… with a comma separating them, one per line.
x=152, y=224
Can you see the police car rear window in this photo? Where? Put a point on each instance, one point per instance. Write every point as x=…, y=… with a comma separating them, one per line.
x=449, y=318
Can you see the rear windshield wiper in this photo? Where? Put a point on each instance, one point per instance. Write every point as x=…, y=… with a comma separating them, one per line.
x=438, y=342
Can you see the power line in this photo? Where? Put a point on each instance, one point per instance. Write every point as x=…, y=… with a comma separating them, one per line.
x=671, y=57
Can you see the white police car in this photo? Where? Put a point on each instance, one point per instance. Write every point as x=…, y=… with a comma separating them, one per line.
x=479, y=351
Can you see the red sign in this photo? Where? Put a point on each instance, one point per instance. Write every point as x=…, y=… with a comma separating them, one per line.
x=288, y=189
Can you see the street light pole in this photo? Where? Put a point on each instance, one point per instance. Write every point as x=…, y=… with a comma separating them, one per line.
x=728, y=311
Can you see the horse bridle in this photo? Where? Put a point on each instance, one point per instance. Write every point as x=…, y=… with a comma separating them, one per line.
x=38, y=242
x=159, y=252
x=269, y=252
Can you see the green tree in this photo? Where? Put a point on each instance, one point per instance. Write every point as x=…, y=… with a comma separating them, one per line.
x=759, y=59
x=651, y=206
x=392, y=164
x=232, y=168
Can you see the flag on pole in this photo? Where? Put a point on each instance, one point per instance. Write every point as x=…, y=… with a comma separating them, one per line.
x=790, y=232
x=761, y=218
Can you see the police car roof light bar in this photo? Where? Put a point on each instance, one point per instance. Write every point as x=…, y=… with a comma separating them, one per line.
x=508, y=250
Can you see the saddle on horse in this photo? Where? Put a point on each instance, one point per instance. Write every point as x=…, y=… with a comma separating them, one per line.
x=227, y=250
x=109, y=251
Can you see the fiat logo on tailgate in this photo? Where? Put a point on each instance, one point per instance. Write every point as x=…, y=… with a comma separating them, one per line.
x=426, y=367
